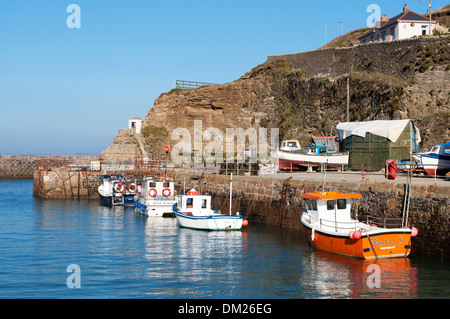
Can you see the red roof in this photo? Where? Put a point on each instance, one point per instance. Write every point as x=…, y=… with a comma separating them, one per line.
x=406, y=16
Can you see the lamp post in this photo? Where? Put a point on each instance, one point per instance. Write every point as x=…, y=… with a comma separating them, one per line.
x=431, y=4
x=342, y=25
x=325, y=34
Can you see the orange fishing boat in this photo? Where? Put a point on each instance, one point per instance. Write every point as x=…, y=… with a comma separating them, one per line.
x=330, y=227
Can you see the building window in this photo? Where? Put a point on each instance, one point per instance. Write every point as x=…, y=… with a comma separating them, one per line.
x=383, y=35
x=393, y=33
x=424, y=30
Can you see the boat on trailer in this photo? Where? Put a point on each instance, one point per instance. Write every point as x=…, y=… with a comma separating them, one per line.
x=292, y=156
x=156, y=198
x=436, y=162
x=330, y=227
x=194, y=211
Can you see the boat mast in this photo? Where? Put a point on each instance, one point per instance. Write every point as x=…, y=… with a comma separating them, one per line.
x=409, y=181
x=231, y=188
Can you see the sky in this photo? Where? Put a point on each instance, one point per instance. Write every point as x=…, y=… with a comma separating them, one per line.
x=69, y=90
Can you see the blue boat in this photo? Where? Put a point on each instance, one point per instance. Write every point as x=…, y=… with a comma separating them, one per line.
x=436, y=162
x=116, y=190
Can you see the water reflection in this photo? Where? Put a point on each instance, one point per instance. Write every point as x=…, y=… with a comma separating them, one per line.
x=190, y=262
x=338, y=276
x=123, y=254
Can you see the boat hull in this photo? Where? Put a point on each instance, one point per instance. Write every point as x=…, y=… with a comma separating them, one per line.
x=373, y=245
x=124, y=200
x=288, y=160
x=435, y=164
x=152, y=208
x=216, y=222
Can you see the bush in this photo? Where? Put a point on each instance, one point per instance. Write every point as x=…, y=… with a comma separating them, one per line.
x=425, y=66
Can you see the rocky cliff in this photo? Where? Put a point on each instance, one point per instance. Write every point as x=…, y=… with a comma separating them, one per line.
x=306, y=93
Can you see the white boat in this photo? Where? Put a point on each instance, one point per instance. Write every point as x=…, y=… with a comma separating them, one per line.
x=155, y=198
x=116, y=190
x=292, y=156
x=437, y=160
x=194, y=211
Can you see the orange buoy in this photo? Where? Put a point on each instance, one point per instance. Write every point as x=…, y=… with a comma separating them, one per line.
x=245, y=222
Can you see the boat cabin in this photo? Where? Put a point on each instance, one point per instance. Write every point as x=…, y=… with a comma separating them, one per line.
x=330, y=208
x=290, y=146
x=317, y=149
x=194, y=203
x=442, y=149
x=158, y=190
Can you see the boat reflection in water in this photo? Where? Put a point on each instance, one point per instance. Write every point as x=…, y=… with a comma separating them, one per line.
x=345, y=277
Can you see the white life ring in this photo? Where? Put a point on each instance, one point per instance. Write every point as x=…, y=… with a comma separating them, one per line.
x=132, y=187
x=119, y=188
x=166, y=192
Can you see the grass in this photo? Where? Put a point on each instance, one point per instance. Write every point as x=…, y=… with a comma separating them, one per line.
x=378, y=77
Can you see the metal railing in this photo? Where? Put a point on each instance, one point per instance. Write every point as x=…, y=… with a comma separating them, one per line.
x=385, y=222
x=162, y=164
x=187, y=85
x=371, y=223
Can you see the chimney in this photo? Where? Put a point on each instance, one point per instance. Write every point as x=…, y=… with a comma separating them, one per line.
x=384, y=17
x=405, y=8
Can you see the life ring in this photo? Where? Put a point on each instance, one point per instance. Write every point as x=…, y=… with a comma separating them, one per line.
x=132, y=187
x=166, y=192
x=119, y=188
x=152, y=192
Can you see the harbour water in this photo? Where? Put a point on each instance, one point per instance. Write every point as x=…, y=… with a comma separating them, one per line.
x=80, y=249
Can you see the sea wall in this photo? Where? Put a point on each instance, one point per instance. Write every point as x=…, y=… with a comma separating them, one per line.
x=23, y=166
x=395, y=58
x=63, y=183
x=260, y=200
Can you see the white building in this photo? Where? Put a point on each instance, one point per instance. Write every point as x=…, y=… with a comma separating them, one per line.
x=135, y=124
x=405, y=25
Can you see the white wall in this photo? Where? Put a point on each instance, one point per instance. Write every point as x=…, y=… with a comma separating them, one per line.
x=137, y=125
x=408, y=30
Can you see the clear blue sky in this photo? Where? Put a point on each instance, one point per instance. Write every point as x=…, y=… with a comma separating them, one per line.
x=65, y=91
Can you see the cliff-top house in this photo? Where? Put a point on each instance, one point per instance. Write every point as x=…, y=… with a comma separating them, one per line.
x=405, y=25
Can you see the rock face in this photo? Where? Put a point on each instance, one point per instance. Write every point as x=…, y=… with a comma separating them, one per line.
x=125, y=146
x=306, y=93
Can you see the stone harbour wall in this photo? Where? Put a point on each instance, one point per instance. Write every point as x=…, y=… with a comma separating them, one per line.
x=259, y=199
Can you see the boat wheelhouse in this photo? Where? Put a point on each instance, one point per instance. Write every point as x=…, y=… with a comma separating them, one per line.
x=156, y=198
x=116, y=190
x=330, y=227
x=194, y=211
